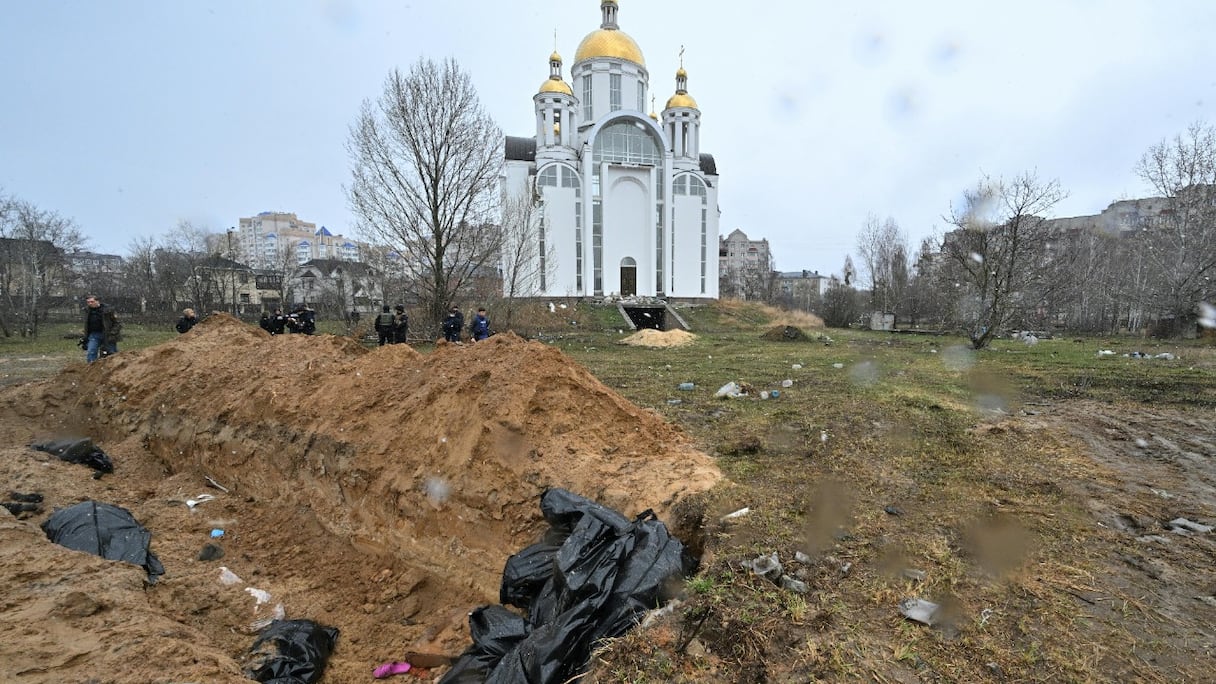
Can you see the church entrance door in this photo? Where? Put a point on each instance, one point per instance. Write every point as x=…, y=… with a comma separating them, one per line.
x=629, y=281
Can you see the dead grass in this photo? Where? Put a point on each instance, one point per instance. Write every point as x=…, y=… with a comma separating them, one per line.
x=989, y=494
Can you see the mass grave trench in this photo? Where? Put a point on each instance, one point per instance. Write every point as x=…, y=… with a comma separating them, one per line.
x=437, y=458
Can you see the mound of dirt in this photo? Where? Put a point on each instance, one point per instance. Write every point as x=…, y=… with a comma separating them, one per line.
x=784, y=333
x=649, y=337
x=376, y=491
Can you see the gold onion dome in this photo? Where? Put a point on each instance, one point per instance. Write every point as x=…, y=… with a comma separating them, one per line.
x=555, y=85
x=609, y=43
x=681, y=99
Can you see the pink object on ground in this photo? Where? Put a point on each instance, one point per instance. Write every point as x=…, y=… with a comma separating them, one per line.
x=390, y=669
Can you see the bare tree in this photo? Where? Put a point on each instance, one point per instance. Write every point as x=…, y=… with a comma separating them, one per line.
x=140, y=279
x=528, y=256
x=883, y=248
x=1177, y=248
x=1000, y=253
x=425, y=160
x=186, y=261
x=32, y=263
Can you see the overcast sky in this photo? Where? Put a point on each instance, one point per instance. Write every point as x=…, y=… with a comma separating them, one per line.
x=130, y=116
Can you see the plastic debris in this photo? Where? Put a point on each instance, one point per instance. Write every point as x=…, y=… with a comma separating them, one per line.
x=200, y=499
x=260, y=595
x=1105, y=352
x=797, y=366
x=104, y=530
x=914, y=575
x=81, y=451
x=837, y=365
x=229, y=578
x=893, y=510
x=794, y=585
x=764, y=395
x=737, y=514
x=686, y=386
x=1189, y=525
x=592, y=577
x=390, y=669
x=293, y=651
x=675, y=402
x=217, y=533
x=768, y=567
x=729, y=390
x=774, y=394
x=787, y=383
x=262, y=623
x=1165, y=355
x=802, y=558
x=920, y=610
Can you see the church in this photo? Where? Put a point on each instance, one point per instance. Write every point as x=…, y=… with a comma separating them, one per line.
x=628, y=203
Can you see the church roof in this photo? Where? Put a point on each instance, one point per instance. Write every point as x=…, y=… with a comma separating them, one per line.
x=709, y=167
x=520, y=149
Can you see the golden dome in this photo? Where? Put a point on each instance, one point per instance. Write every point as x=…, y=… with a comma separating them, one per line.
x=680, y=73
x=654, y=116
x=609, y=43
x=681, y=100
x=555, y=85
x=555, y=57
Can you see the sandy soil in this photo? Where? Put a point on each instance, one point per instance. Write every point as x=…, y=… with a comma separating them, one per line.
x=649, y=337
x=376, y=491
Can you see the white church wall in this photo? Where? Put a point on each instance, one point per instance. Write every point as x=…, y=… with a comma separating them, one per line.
x=628, y=227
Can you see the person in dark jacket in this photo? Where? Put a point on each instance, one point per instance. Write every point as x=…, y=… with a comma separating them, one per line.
x=402, y=327
x=187, y=321
x=384, y=325
x=102, y=330
x=278, y=322
x=264, y=322
x=480, y=327
x=452, y=325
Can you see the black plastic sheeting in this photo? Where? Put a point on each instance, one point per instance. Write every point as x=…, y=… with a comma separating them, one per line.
x=104, y=530
x=291, y=652
x=590, y=578
x=81, y=451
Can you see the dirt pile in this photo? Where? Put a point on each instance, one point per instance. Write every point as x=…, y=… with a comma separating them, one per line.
x=792, y=333
x=377, y=491
x=649, y=337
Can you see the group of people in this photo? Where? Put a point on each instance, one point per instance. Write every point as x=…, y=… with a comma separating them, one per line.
x=300, y=320
x=103, y=330
x=393, y=326
x=479, y=329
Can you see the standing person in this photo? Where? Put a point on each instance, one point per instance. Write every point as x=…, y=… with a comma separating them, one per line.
x=402, y=326
x=452, y=325
x=187, y=321
x=385, y=323
x=102, y=330
x=264, y=322
x=278, y=323
x=480, y=326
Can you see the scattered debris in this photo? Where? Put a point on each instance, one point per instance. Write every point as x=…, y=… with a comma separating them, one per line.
x=913, y=574
x=893, y=510
x=686, y=386
x=200, y=499
x=920, y=610
x=1189, y=525
x=737, y=514
x=390, y=669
